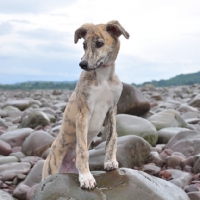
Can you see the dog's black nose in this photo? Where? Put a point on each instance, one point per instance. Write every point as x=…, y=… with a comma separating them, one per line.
x=83, y=64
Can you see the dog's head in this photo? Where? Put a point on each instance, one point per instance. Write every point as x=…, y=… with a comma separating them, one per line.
x=101, y=44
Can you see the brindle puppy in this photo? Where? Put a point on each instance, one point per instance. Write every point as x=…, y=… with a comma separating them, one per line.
x=92, y=104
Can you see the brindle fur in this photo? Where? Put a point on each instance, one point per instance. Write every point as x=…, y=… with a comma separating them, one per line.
x=92, y=104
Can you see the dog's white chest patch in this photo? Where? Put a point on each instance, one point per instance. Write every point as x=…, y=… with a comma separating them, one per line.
x=101, y=99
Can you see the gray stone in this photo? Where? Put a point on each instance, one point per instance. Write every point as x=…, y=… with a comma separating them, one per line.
x=3, y=123
x=8, y=159
x=185, y=142
x=165, y=134
x=132, y=101
x=167, y=118
x=5, y=148
x=135, y=148
x=20, y=191
x=37, y=143
x=114, y=185
x=21, y=104
x=34, y=119
x=11, y=170
x=35, y=175
x=132, y=125
x=5, y=196
x=16, y=137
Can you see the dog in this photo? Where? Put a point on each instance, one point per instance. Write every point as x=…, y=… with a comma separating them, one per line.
x=93, y=104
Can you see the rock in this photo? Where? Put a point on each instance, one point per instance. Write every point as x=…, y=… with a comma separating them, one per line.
x=151, y=169
x=9, y=171
x=114, y=185
x=3, y=124
x=165, y=134
x=29, y=194
x=19, y=155
x=21, y=104
x=180, y=178
x=167, y=118
x=132, y=101
x=11, y=109
x=37, y=143
x=187, y=108
x=20, y=191
x=196, y=167
x=34, y=119
x=155, y=158
x=194, y=195
x=185, y=142
x=132, y=125
x=191, y=188
x=31, y=159
x=187, y=162
x=195, y=102
x=8, y=159
x=35, y=175
x=173, y=161
x=16, y=137
x=5, y=196
x=135, y=148
x=5, y=148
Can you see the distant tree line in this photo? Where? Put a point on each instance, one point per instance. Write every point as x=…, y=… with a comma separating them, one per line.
x=40, y=85
x=182, y=79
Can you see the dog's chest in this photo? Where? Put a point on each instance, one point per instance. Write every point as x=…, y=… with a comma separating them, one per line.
x=101, y=99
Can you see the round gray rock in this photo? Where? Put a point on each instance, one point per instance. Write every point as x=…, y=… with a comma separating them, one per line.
x=37, y=143
x=165, y=134
x=167, y=118
x=131, y=151
x=34, y=119
x=119, y=184
x=132, y=125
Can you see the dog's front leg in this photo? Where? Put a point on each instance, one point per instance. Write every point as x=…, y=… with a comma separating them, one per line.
x=110, y=162
x=86, y=179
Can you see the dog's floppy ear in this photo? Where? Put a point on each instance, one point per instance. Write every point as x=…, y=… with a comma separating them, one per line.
x=81, y=32
x=115, y=28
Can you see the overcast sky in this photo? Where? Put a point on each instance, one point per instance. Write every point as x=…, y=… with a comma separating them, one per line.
x=37, y=38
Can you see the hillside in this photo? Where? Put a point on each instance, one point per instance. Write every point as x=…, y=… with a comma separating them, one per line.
x=182, y=79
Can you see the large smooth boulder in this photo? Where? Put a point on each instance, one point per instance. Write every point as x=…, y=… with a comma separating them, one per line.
x=119, y=184
x=37, y=143
x=167, y=118
x=132, y=101
x=185, y=142
x=132, y=125
x=131, y=151
x=16, y=137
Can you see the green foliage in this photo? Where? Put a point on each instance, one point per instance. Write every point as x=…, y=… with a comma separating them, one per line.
x=40, y=85
x=182, y=79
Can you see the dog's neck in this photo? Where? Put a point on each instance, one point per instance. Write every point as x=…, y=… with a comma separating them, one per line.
x=105, y=72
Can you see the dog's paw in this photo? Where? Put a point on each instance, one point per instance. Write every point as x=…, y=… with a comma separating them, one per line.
x=110, y=165
x=87, y=181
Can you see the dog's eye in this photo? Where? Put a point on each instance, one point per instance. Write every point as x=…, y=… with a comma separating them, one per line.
x=84, y=45
x=99, y=44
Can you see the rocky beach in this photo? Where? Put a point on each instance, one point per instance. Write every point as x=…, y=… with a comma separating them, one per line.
x=158, y=147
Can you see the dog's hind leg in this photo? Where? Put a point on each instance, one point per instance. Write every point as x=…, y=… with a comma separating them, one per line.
x=110, y=161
